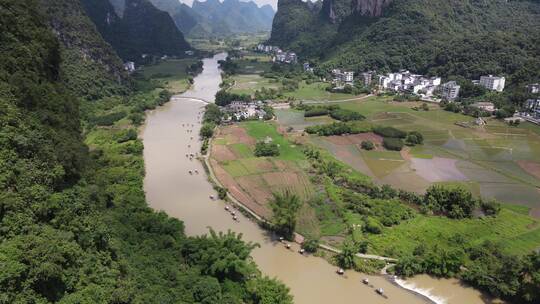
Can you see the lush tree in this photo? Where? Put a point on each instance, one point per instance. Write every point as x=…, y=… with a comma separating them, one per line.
x=285, y=207
x=269, y=291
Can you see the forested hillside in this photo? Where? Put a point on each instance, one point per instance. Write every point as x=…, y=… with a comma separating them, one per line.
x=444, y=37
x=89, y=65
x=141, y=29
x=75, y=227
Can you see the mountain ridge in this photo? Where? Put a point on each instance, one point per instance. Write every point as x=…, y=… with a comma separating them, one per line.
x=445, y=37
x=214, y=18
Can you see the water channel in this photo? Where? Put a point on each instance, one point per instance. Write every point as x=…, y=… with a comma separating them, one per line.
x=169, y=187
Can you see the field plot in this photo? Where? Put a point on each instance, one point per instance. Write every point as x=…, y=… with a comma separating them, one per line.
x=316, y=91
x=296, y=119
x=252, y=180
x=249, y=83
x=172, y=72
x=497, y=158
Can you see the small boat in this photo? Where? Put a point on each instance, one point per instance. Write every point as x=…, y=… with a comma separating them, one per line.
x=196, y=171
x=288, y=246
x=233, y=213
x=226, y=207
x=190, y=172
x=187, y=155
x=189, y=146
x=212, y=197
x=340, y=271
x=365, y=281
x=379, y=291
x=281, y=239
x=301, y=251
x=235, y=218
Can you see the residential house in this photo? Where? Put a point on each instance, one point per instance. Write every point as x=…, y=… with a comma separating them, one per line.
x=366, y=78
x=532, y=107
x=533, y=88
x=493, y=83
x=129, y=66
x=450, y=91
x=342, y=78
x=307, y=67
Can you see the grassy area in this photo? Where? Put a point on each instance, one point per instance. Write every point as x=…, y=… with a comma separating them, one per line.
x=316, y=91
x=172, y=72
x=261, y=130
x=493, y=151
x=249, y=83
x=516, y=232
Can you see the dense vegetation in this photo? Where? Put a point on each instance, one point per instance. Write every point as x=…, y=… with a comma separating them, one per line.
x=379, y=209
x=266, y=149
x=75, y=224
x=452, y=39
x=142, y=30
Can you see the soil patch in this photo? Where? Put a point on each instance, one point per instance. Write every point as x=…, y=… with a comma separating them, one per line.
x=222, y=153
x=237, y=135
x=530, y=167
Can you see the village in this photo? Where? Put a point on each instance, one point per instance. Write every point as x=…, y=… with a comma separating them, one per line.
x=425, y=88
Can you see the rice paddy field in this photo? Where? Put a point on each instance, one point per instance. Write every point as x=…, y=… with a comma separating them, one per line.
x=494, y=161
x=252, y=180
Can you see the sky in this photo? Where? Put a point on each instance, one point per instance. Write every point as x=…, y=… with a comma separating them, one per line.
x=273, y=3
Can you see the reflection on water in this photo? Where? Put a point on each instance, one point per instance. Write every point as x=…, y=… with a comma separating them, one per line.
x=170, y=133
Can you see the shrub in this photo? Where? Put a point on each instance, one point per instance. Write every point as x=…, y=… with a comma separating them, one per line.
x=394, y=144
x=110, y=119
x=207, y=130
x=414, y=138
x=346, y=115
x=389, y=132
x=126, y=135
x=367, y=145
x=371, y=225
x=266, y=149
x=452, y=201
x=316, y=112
x=310, y=245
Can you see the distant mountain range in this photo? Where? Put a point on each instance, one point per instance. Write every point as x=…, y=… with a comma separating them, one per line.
x=136, y=27
x=464, y=38
x=215, y=18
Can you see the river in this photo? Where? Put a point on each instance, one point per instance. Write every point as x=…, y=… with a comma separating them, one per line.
x=169, y=187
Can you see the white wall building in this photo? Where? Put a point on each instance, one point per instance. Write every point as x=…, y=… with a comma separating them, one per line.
x=493, y=83
x=450, y=91
x=533, y=88
x=532, y=106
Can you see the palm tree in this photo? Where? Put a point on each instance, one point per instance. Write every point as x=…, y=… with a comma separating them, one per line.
x=284, y=209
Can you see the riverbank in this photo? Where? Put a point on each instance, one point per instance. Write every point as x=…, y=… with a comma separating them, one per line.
x=170, y=188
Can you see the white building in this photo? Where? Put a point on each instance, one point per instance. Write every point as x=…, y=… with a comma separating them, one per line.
x=343, y=77
x=129, y=66
x=405, y=81
x=493, y=83
x=532, y=106
x=533, y=88
x=450, y=91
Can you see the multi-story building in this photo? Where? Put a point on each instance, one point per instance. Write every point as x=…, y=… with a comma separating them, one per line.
x=450, y=91
x=366, y=78
x=343, y=77
x=532, y=106
x=493, y=83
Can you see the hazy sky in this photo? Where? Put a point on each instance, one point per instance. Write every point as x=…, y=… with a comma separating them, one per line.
x=273, y=3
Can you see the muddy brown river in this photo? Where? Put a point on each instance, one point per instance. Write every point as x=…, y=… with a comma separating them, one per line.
x=170, y=187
